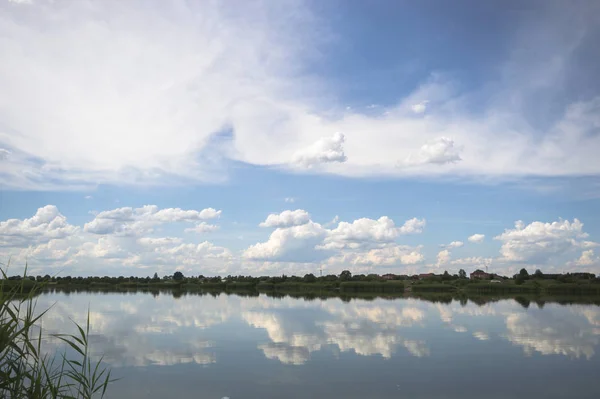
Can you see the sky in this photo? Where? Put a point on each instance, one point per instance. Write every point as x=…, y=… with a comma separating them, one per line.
x=293, y=137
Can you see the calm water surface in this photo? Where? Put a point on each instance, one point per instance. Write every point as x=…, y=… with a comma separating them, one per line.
x=261, y=347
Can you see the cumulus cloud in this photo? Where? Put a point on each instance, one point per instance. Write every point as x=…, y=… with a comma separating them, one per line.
x=454, y=244
x=135, y=221
x=477, y=238
x=587, y=258
x=201, y=228
x=413, y=226
x=115, y=241
x=325, y=150
x=386, y=256
x=540, y=241
x=439, y=151
x=160, y=241
x=443, y=257
x=382, y=229
x=363, y=242
x=366, y=231
x=47, y=223
x=287, y=219
x=296, y=244
x=420, y=107
x=477, y=262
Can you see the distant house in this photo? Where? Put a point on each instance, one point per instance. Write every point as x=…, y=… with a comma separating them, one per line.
x=424, y=276
x=388, y=276
x=480, y=275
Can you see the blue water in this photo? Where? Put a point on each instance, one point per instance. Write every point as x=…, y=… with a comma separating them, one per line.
x=262, y=347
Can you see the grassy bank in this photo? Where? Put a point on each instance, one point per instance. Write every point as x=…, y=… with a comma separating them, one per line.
x=375, y=287
x=290, y=286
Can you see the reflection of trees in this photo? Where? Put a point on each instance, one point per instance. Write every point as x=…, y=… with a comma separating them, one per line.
x=523, y=301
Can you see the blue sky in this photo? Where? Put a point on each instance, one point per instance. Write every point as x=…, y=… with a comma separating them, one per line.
x=375, y=133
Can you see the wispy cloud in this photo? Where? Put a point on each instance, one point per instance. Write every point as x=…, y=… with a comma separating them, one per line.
x=206, y=67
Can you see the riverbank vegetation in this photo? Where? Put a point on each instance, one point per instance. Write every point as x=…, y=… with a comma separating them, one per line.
x=26, y=371
x=479, y=283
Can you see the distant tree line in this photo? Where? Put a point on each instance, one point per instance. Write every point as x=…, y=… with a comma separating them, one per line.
x=344, y=276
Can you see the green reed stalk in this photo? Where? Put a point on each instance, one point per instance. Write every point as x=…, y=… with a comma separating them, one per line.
x=25, y=372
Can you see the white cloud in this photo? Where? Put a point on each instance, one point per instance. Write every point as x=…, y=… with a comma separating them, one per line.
x=364, y=242
x=367, y=231
x=209, y=67
x=587, y=258
x=244, y=70
x=482, y=336
x=4, y=154
x=332, y=222
x=161, y=241
x=88, y=197
x=413, y=226
x=287, y=219
x=201, y=228
x=291, y=200
x=47, y=223
x=476, y=262
x=132, y=238
x=382, y=229
x=134, y=221
x=477, y=238
x=295, y=243
x=540, y=241
x=325, y=150
x=386, y=256
x=439, y=151
x=454, y=244
x=443, y=257
x=420, y=107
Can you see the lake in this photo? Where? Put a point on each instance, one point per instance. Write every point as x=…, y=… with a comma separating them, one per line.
x=216, y=346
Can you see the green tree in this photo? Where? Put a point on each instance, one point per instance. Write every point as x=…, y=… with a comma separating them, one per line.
x=524, y=274
x=345, y=275
x=446, y=276
x=309, y=278
x=538, y=274
x=462, y=274
x=155, y=277
x=178, y=276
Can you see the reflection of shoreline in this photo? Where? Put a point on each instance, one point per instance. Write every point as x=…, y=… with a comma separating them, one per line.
x=525, y=300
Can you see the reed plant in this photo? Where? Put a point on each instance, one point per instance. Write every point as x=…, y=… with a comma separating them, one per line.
x=26, y=371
